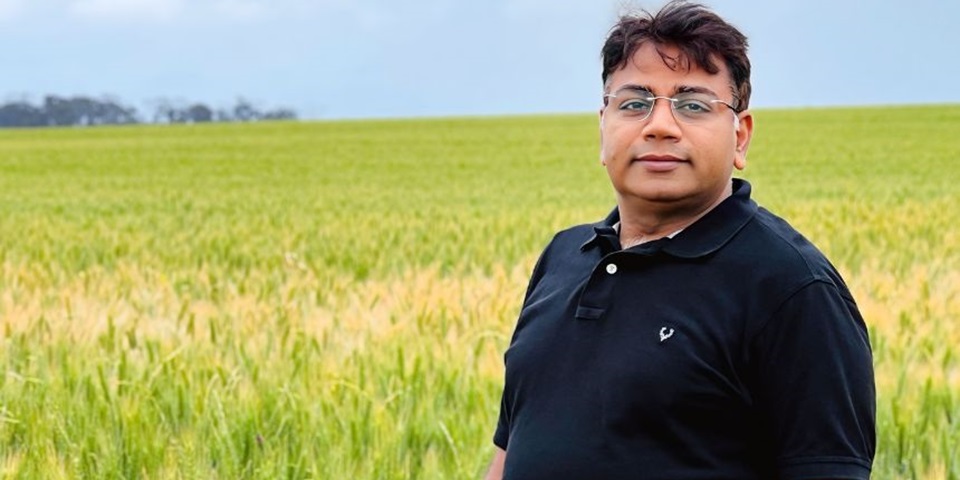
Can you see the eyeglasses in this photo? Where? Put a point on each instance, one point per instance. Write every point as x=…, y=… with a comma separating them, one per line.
x=688, y=107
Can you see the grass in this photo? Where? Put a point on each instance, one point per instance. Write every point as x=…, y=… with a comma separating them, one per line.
x=332, y=300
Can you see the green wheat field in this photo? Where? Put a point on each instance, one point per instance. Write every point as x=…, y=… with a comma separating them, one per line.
x=332, y=300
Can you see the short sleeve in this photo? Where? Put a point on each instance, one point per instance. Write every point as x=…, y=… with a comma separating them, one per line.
x=815, y=385
x=501, y=435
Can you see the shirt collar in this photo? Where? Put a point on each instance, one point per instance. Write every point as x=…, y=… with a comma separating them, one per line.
x=601, y=229
x=704, y=236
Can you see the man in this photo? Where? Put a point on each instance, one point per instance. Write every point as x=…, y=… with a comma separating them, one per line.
x=691, y=334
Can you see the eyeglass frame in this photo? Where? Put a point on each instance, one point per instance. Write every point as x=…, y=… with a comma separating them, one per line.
x=673, y=102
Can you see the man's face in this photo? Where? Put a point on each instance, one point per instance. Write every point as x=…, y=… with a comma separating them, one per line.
x=662, y=163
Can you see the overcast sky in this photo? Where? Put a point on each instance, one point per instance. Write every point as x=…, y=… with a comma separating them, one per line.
x=395, y=58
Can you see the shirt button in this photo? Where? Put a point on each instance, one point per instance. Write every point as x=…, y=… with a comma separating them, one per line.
x=611, y=268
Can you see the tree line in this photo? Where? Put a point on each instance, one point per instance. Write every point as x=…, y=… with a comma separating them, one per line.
x=87, y=111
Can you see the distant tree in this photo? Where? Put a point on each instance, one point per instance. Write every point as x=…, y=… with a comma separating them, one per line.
x=244, y=111
x=21, y=114
x=165, y=112
x=84, y=111
x=223, y=115
x=87, y=111
x=199, y=113
x=110, y=112
x=280, y=114
x=61, y=111
x=168, y=111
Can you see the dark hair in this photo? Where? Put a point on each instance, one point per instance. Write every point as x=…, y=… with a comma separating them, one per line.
x=695, y=30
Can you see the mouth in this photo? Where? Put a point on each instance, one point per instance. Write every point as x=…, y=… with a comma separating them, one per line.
x=659, y=163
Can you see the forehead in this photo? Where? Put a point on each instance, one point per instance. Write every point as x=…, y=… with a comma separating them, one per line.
x=664, y=68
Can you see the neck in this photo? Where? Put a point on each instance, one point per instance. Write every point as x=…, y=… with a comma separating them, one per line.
x=639, y=224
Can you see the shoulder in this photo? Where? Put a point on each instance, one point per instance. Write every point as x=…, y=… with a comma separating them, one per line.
x=774, y=269
x=772, y=243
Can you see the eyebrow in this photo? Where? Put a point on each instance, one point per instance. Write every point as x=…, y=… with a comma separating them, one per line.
x=678, y=89
x=694, y=89
x=635, y=87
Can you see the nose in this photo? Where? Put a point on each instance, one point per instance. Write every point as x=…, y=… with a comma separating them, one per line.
x=661, y=124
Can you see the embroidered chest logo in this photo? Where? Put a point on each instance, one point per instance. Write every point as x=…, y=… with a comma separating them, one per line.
x=665, y=333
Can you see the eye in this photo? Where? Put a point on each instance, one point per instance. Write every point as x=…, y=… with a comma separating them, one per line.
x=693, y=106
x=635, y=105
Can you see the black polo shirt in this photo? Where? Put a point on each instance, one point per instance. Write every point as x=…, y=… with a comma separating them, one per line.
x=732, y=351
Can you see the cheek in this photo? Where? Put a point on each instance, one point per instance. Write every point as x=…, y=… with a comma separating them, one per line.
x=720, y=150
x=613, y=143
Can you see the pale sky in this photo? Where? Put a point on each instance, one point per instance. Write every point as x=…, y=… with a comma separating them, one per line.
x=382, y=58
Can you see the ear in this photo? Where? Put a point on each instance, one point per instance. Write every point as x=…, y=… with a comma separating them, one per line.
x=744, y=125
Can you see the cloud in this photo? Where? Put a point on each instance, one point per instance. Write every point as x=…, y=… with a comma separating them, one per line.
x=128, y=9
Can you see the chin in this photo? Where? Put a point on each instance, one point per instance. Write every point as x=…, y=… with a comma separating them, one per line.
x=659, y=193
x=659, y=196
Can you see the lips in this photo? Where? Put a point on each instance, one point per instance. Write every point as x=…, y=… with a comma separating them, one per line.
x=659, y=163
